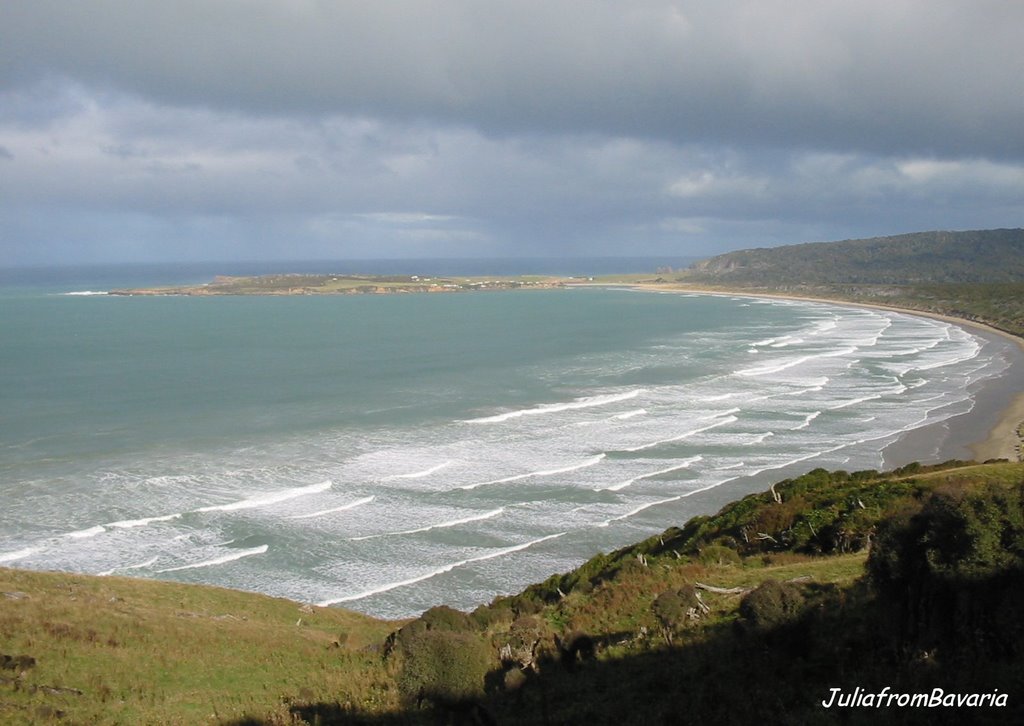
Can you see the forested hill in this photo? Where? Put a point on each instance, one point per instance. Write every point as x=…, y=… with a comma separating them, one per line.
x=994, y=255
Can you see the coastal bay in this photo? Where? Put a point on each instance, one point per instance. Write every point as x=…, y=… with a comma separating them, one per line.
x=474, y=447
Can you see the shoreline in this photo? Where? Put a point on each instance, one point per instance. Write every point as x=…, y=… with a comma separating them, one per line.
x=992, y=429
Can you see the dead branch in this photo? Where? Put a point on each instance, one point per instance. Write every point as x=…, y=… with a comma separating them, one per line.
x=722, y=590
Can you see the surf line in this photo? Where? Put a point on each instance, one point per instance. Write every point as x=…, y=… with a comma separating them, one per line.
x=529, y=474
x=19, y=554
x=721, y=422
x=545, y=408
x=220, y=560
x=148, y=563
x=442, y=525
x=342, y=508
x=439, y=571
x=420, y=474
x=685, y=465
x=264, y=500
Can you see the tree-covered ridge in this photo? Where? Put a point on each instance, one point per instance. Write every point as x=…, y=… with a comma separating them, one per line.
x=995, y=255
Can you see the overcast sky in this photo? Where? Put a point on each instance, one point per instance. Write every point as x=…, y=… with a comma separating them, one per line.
x=306, y=129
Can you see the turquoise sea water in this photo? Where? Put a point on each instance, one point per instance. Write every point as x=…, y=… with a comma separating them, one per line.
x=391, y=452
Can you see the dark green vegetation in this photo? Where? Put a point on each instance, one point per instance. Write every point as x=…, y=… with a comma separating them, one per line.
x=912, y=579
x=976, y=275
x=923, y=257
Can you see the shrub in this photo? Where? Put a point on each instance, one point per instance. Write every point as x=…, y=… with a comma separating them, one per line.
x=439, y=618
x=487, y=616
x=771, y=604
x=717, y=554
x=669, y=609
x=443, y=667
x=442, y=617
x=951, y=572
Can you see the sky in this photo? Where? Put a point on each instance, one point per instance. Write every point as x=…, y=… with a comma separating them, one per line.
x=193, y=130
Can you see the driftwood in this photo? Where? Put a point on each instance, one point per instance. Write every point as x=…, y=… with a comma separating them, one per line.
x=722, y=590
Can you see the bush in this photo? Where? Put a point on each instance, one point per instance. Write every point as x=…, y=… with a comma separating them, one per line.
x=771, y=604
x=442, y=617
x=443, y=667
x=717, y=554
x=488, y=616
x=950, y=573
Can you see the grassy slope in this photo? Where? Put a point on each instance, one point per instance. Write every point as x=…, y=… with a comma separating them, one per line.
x=155, y=652
x=151, y=652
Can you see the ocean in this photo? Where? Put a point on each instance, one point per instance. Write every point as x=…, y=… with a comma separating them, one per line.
x=389, y=453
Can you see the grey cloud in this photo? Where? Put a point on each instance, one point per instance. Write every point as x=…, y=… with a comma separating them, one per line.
x=929, y=76
x=265, y=129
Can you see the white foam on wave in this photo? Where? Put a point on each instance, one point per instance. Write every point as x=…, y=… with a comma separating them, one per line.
x=758, y=439
x=873, y=339
x=686, y=463
x=546, y=408
x=629, y=414
x=439, y=571
x=793, y=362
x=19, y=554
x=421, y=474
x=342, y=508
x=855, y=401
x=442, y=525
x=128, y=523
x=807, y=420
x=658, y=502
x=148, y=563
x=750, y=473
x=693, y=432
x=264, y=500
x=544, y=472
x=970, y=353
x=86, y=292
x=90, y=532
x=220, y=560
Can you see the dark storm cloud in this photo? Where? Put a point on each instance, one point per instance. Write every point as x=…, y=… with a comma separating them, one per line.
x=931, y=76
x=280, y=129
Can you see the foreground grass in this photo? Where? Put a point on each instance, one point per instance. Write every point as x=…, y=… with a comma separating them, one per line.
x=115, y=650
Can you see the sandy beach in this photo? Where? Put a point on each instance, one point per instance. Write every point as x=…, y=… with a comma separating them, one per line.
x=991, y=430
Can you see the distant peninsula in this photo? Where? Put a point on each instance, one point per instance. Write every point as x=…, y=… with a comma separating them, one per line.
x=348, y=284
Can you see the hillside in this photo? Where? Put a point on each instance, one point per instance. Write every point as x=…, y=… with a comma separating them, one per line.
x=980, y=256
x=912, y=579
x=976, y=275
